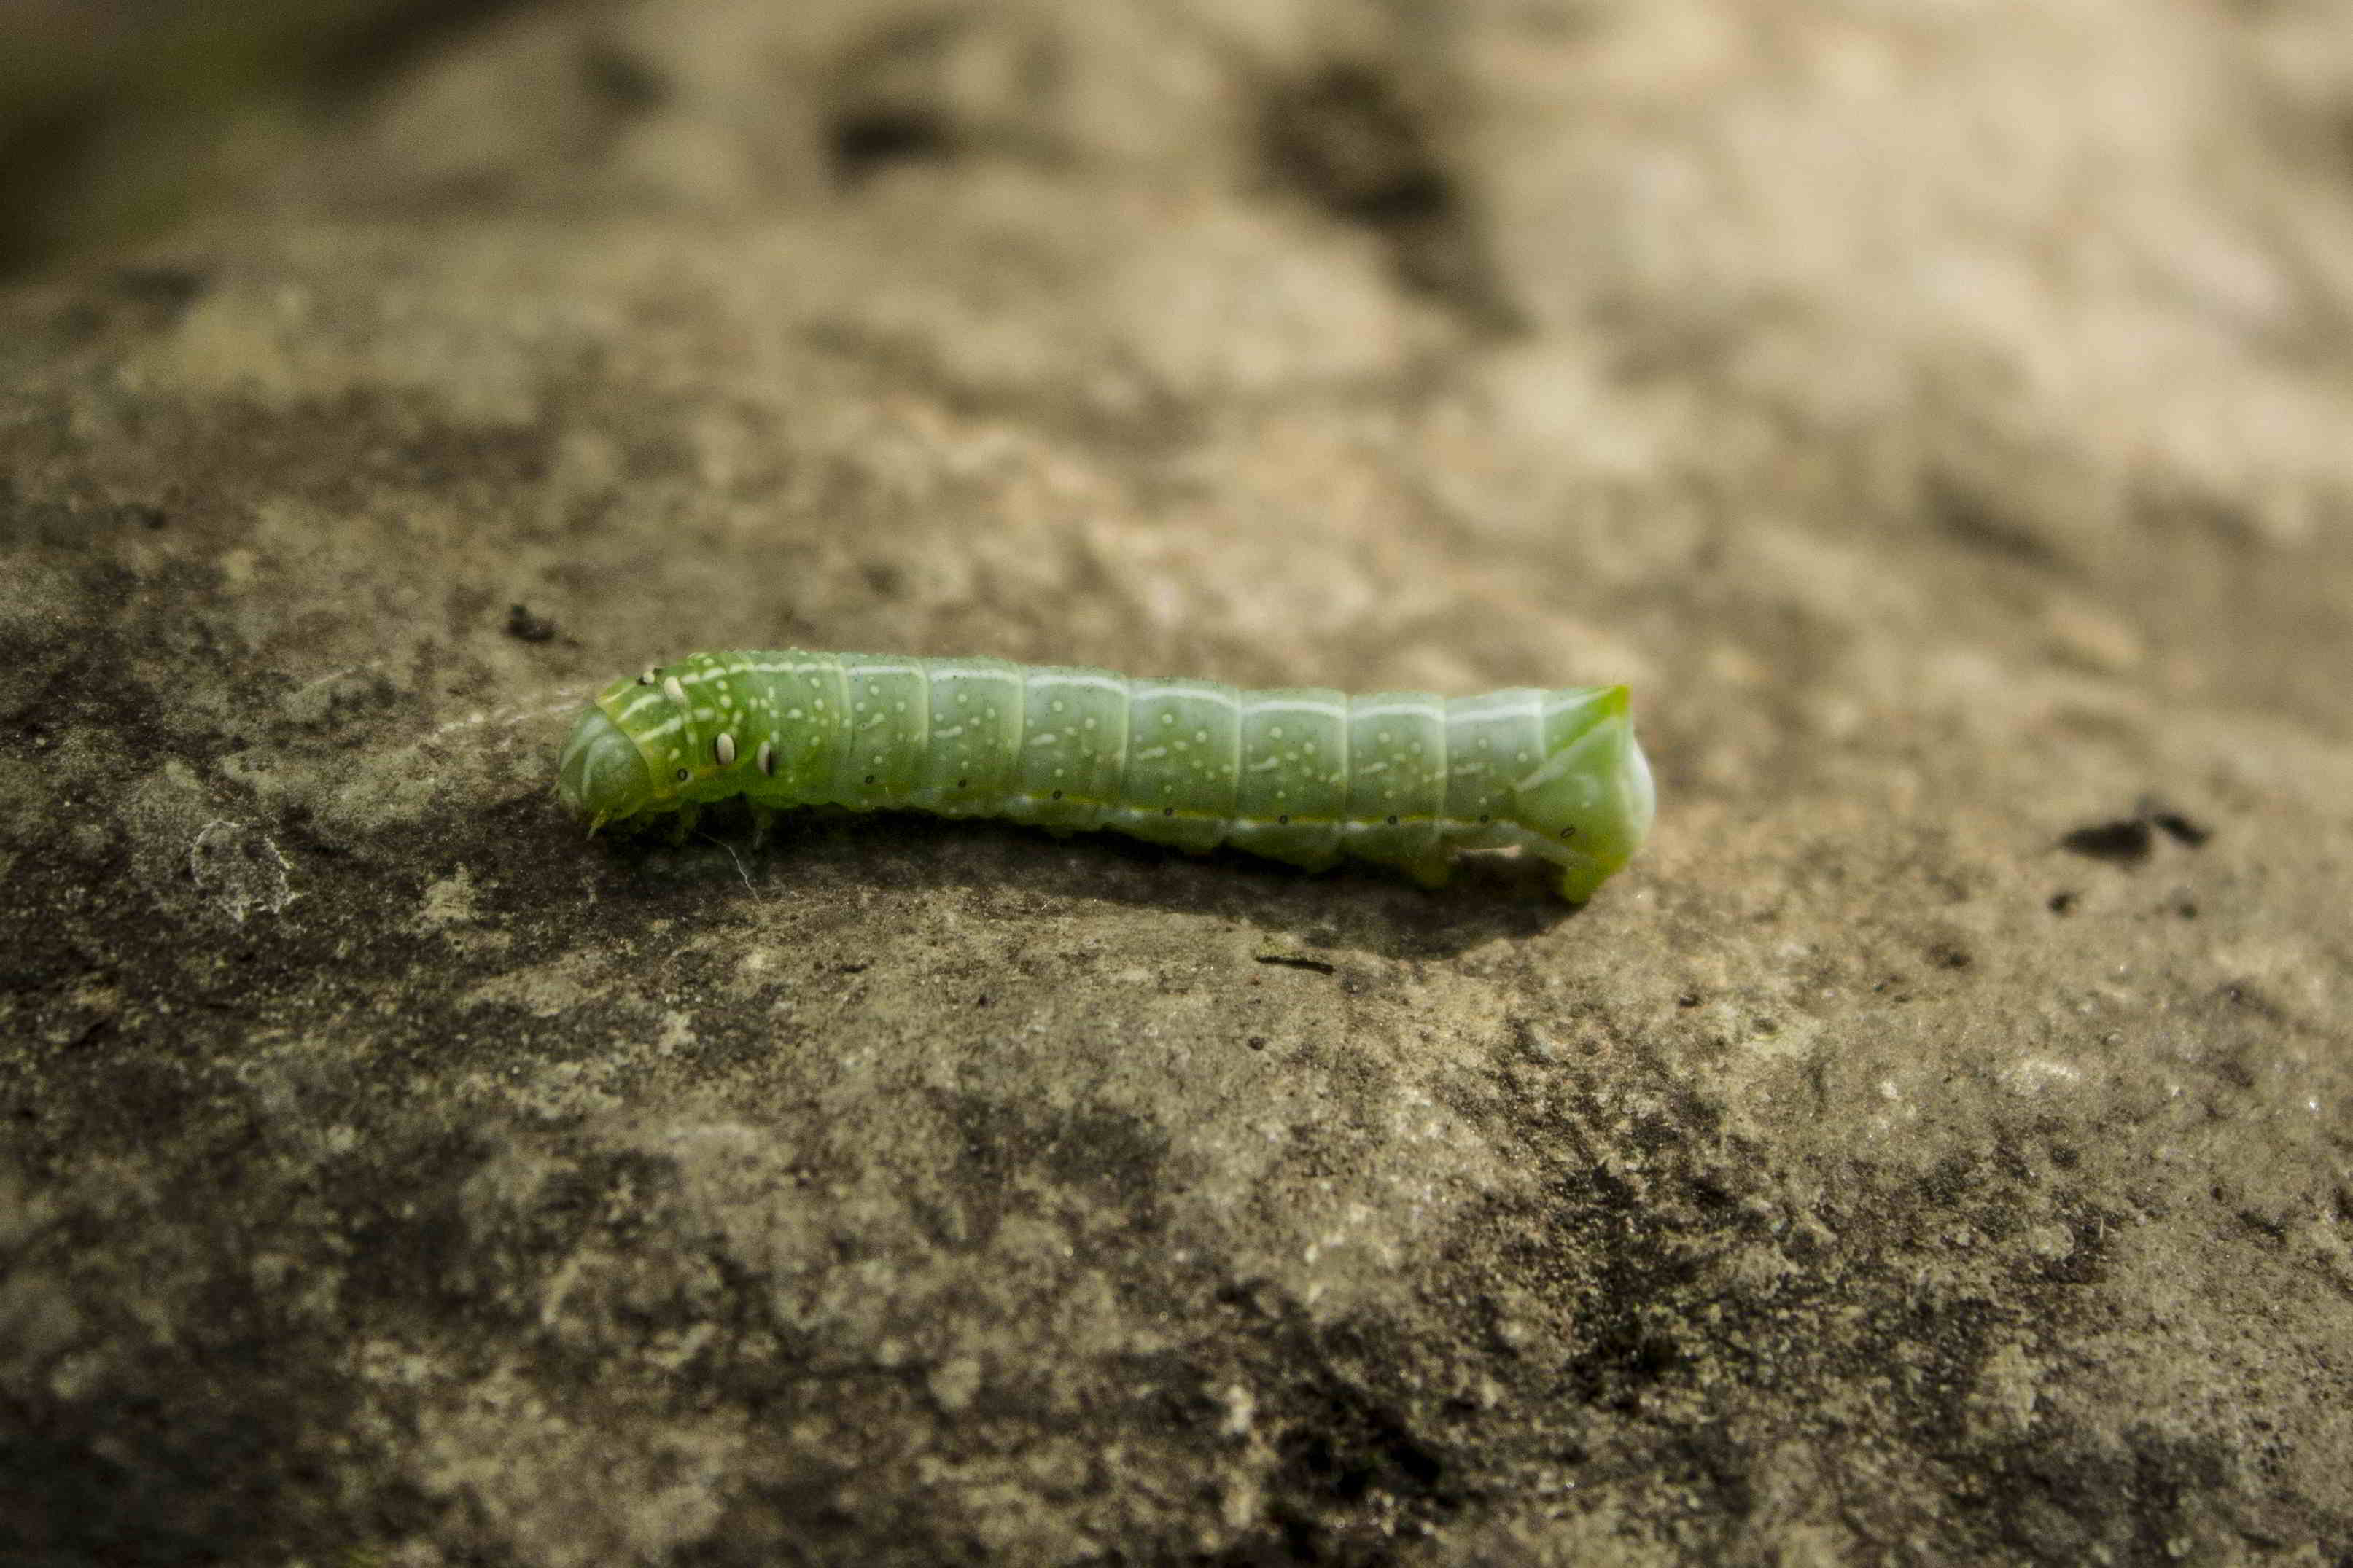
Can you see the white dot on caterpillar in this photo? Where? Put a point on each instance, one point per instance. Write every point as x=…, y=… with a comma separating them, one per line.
x=649, y=677
x=767, y=758
x=722, y=751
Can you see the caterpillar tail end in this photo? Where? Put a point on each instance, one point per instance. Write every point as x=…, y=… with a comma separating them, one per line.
x=1593, y=799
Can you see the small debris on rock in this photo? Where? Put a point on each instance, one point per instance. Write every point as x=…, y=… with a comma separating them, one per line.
x=525, y=626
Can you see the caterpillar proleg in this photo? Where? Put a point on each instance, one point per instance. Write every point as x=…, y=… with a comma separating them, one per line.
x=1302, y=775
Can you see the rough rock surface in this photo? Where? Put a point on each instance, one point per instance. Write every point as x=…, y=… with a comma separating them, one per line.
x=1937, y=1148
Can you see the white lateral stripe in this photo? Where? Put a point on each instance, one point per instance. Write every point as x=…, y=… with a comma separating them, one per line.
x=1190, y=694
x=1518, y=708
x=1557, y=703
x=1290, y=705
x=1575, y=752
x=1100, y=682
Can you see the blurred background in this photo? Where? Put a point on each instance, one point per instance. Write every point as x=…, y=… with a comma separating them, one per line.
x=117, y=118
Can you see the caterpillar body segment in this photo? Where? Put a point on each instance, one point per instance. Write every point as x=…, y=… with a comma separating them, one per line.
x=1304, y=775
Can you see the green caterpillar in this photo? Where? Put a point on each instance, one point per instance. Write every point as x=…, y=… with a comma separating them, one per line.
x=1299, y=775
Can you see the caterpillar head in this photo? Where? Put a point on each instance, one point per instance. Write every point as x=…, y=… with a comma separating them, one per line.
x=639, y=749
x=603, y=776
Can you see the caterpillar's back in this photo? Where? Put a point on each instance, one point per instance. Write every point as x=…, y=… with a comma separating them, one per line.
x=1304, y=775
